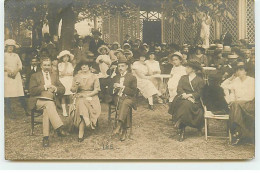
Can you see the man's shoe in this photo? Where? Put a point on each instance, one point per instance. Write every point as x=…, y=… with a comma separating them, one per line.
x=45, y=142
x=61, y=132
x=80, y=139
x=151, y=107
x=123, y=137
x=181, y=135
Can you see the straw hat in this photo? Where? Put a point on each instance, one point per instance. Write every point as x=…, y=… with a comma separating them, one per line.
x=126, y=44
x=227, y=49
x=65, y=52
x=177, y=54
x=219, y=46
x=232, y=56
x=11, y=42
x=116, y=43
x=119, y=50
x=103, y=47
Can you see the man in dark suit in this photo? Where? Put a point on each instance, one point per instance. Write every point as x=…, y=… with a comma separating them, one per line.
x=28, y=71
x=43, y=87
x=96, y=42
x=124, y=89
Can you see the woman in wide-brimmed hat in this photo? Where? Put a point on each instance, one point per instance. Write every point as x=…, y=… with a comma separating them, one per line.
x=87, y=105
x=114, y=47
x=65, y=69
x=13, y=85
x=200, y=56
x=186, y=106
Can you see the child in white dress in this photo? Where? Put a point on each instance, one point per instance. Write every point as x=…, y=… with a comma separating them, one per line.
x=103, y=60
x=65, y=69
x=176, y=73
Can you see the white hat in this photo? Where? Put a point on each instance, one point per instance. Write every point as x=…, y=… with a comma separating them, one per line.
x=127, y=44
x=65, y=52
x=103, y=47
x=11, y=42
x=145, y=44
x=220, y=46
x=227, y=49
x=178, y=54
x=232, y=56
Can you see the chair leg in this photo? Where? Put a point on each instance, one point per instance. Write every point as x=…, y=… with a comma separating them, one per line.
x=32, y=122
x=206, y=129
x=131, y=120
x=109, y=113
x=229, y=133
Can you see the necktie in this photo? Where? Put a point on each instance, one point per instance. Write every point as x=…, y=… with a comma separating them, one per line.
x=47, y=76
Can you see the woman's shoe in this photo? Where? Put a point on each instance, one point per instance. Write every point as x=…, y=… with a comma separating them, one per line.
x=80, y=139
x=181, y=135
x=151, y=107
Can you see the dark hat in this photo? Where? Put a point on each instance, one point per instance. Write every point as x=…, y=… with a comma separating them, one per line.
x=217, y=51
x=200, y=48
x=46, y=95
x=96, y=31
x=122, y=59
x=194, y=64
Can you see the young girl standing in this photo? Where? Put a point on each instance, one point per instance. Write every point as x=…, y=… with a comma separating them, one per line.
x=65, y=69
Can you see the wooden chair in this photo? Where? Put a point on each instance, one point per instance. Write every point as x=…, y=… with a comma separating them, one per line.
x=35, y=113
x=209, y=115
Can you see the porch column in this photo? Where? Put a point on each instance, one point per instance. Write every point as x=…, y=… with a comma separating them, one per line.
x=242, y=19
x=162, y=24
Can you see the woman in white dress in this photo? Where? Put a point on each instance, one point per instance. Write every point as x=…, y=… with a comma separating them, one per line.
x=178, y=70
x=155, y=69
x=144, y=84
x=65, y=69
x=12, y=78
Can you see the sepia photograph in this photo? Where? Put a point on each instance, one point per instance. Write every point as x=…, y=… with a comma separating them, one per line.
x=129, y=80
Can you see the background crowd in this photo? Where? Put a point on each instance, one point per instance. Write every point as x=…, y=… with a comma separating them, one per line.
x=145, y=62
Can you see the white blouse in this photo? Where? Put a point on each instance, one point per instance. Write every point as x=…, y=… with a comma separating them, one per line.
x=240, y=90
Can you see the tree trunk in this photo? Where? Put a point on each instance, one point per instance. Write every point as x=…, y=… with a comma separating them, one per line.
x=67, y=28
x=54, y=18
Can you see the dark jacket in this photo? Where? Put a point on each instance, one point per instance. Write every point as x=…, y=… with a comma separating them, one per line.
x=93, y=46
x=28, y=73
x=36, y=86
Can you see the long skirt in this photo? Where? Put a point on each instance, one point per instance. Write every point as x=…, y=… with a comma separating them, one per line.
x=13, y=87
x=146, y=87
x=88, y=110
x=242, y=114
x=188, y=113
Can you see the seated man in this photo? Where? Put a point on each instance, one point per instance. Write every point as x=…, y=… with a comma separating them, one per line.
x=124, y=89
x=43, y=87
x=240, y=94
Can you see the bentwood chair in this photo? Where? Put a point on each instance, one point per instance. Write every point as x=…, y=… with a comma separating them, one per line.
x=34, y=114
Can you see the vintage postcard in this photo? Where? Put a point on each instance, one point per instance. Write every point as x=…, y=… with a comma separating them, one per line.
x=129, y=79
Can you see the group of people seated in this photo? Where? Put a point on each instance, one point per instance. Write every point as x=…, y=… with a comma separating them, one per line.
x=94, y=72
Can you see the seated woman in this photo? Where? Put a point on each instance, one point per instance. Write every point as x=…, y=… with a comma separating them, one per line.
x=177, y=72
x=200, y=57
x=144, y=84
x=87, y=106
x=186, y=106
x=240, y=94
x=155, y=69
